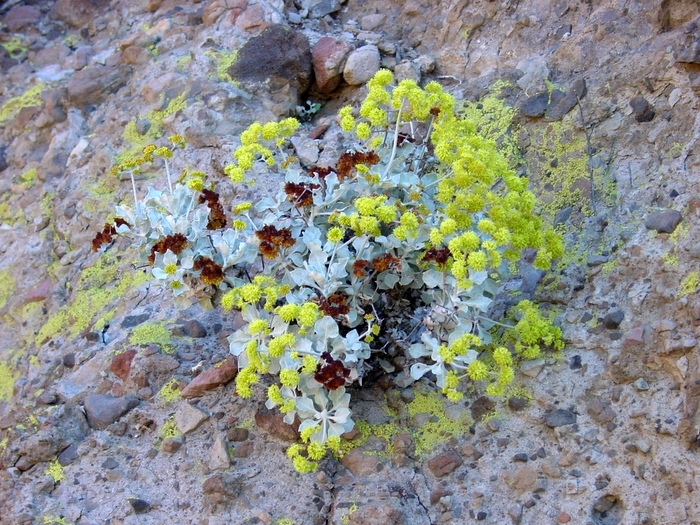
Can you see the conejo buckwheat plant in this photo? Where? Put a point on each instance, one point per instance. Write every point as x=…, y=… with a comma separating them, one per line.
x=421, y=207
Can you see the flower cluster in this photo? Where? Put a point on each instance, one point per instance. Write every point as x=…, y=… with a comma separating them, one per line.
x=438, y=215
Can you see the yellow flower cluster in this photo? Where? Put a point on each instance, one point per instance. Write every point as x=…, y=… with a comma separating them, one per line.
x=195, y=180
x=534, y=330
x=253, y=292
x=253, y=148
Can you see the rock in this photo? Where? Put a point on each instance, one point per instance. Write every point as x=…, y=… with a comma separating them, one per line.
x=568, y=102
x=376, y=514
x=274, y=425
x=252, y=17
x=211, y=378
x=103, y=410
x=135, y=56
x=535, y=72
x=321, y=8
x=520, y=457
x=372, y=21
x=559, y=418
x=306, y=149
x=93, y=85
x=21, y=16
x=550, y=468
x=641, y=384
x=600, y=411
x=612, y=320
x=537, y=105
x=523, y=479
x=515, y=513
x=407, y=70
x=329, y=56
x=121, y=364
x=360, y=464
x=220, y=490
x=482, y=406
x=134, y=320
x=532, y=367
x=245, y=450
x=445, y=463
x=563, y=517
x=110, y=463
x=237, y=434
x=361, y=65
x=642, y=110
x=663, y=221
x=69, y=455
x=171, y=444
x=279, y=58
x=194, y=329
x=517, y=403
x=39, y=292
x=188, y=418
x=139, y=505
x=689, y=54
x=77, y=13
x=218, y=455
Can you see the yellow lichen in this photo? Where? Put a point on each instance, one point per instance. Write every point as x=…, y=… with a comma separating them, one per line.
x=155, y=117
x=170, y=391
x=169, y=429
x=14, y=47
x=30, y=98
x=153, y=334
x=7, y=381
x=7, y=285
x=27, y=179
x=223, y=61
x=55, y=520
x=95, y=291
x=438, y=429
x=689, y=285
x=55, y=470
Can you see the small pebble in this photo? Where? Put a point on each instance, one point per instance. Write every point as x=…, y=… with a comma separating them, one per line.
x=563, y=518
x=521, y=457
x=139, y=505
x=641, y=384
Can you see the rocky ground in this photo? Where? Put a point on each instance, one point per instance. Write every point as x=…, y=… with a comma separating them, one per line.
x=111, y=410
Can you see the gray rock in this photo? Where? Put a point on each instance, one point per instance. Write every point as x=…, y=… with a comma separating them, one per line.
x=559, y=418
x=612, y=320
x=642, y=110
x=535, y=72
x=321, y=8
x=689, y=54
x=278, y=60
x=596, y=260
x=663, y=221
x=306, y=149
x=218, y=455
x=103, y=410
x=641, y=384
x=577, y=91
x=537, y=105
x=600, y=411
x=515, y=513
x=361, y=65
x=517, y=403
x=139, y=505
x=134, y=320
x=532, y=367
x=188, y=418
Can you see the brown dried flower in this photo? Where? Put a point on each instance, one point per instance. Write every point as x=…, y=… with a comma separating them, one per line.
x=301, y=194
x=332, y=375
x=273, y=239
x=104, y=237
x=439, y=256
x=348, y=161
x=320, y=172
x=386, y=262
x=217, y=217
x=175, y=243
x=359, y=268
x=335, y=305
x=211, y=272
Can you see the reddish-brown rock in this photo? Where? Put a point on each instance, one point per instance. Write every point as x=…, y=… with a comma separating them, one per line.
x=212, y=378
x=21, y=16
x=274, y=425
x=77, y=13
x=121, y=364
x=329, y=56
x=360, y=464
x=445, y=463
x=39, y=291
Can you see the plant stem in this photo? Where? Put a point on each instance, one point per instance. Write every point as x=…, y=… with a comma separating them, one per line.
x=395, y=142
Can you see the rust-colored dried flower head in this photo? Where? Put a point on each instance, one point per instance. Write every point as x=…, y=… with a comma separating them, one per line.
x=211, y=272
x=217, y=217
x=348, y=161
x=439, y=256
x=359, y=268
x=273, y=239
x=332, y=375
x=320, y=172
x=335, y=305
x=175, y=243
x=104, y=237
x=386, y=262
x=300, y=194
